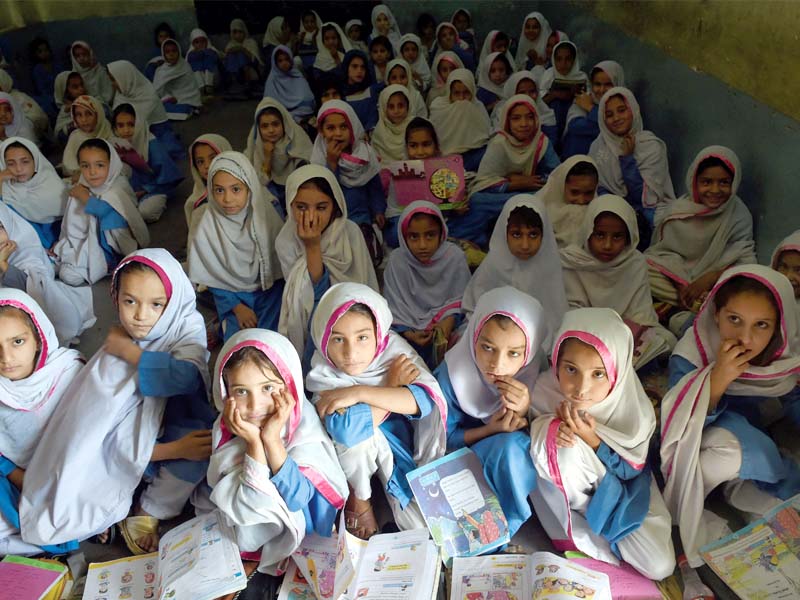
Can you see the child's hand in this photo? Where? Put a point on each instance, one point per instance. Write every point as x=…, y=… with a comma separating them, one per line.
x=334, y=150
x=585, y=101
x=7, y=176
x=269, y=147
x=272, y=429
x=195, y=445
x=420, y=338
x=564, y=437
x=380, y=220
x=402, y=372
x=628, y=144
x=515, y=395
x=581, y=423
x=118, y=343
x=7, y=248
x=533, y=55
x=732, y=360
x=506, y=421
x=698, y=289
x=309, y=229
x=80, y=192
x=238, y=426
x=446, y=326
x=245, y=316
x=331, y=401
x=75, y=177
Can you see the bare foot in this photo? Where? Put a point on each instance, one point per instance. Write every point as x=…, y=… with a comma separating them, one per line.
x=102, y=538
x=359, y=517
x=148, y=542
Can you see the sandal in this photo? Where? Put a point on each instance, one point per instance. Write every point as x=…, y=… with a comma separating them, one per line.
x=133, y=528
x=362, y=525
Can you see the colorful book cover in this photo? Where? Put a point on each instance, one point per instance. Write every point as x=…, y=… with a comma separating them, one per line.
x=28, y=578
x=438, y=180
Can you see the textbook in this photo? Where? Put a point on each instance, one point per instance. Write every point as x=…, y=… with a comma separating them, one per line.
x=626, y=582
x=438, y=180
x=198, y=559
x=30, y=579
x=537, y=576
x=461, y=510
x=761, y=560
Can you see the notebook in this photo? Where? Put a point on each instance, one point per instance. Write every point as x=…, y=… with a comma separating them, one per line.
x=438, y=180
x=30, y=579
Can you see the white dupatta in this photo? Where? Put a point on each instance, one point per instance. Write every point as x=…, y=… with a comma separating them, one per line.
x=463, y=125
x=199, y=188
x=43, y=197
x=95, y=77
x=789, y=243
x=136, y=89
x=388, y=139
x=178, y=80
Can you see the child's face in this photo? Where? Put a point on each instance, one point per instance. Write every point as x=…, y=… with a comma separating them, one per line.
x=498, y=72
x=446, y=38
x=82, y=56
x=200, y=43
x=500, y=349
x=420, y=144
x=238, y=35
x=203, y=154
x=749, y=319
x=552, y=40
x=459, y=91
x=398, y=75
x=618, y=116
x=397, y=108
x=423, y=237
x=580, y=189
x=6, y=114
x=85, y=119
x=75, y=87
x=310, y=23
x=582, y=375
x=410, y=52
x=522, y=123
x=444, y=69
x=532, y=29
x=500, y=46
x=171, y=54
x=789, y=265
x=379, y=54
x=163, y=36
x=312, y=206
x=270, y=127
x=523, y=241
x=230, y=194
x=461, y=21
x=563, y=60
x=330, y=94
x=356, y=71
x=283, y=62
x=94, y=164
x=43, y=53
x=601, y=83
x=714, y=186
x=20, y=163
x=251, y=387
x=18, y=346
x=125, y=125
x=330, y=39
x=335, y=127
x=354, y=33
x=527, y=87
x=352, y=343
x=142, y=300
x=382, y=23
x=609, y=237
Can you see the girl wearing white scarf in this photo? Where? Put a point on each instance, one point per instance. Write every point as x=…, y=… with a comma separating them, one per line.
x=134, y=88
x=307, y=38
x=98, y=231
x=265, y=506
x=489, y=47
x=176, y=84
x=212, y=144
x=786, y=260
x=489, y=91
x=595, y=493
x=41, y=199
x=512, y=87
x=540, y=275
x=233, y=254
x=420, y=70
x=397, y=385
x=388, y=137
x=532, y=52
x=341, y=251
x=721, y=390
x=30, y=269
x=242, y=56
x=573, y=76
x=64, y=95
x=693, y=243
x=325, y=61
x=102, y=130
x=620, y=284
x=440, y=74
x=487, y=379
x=276, y=34
x=384, y=23
x=34, y=113
x=404, y=76
x=204, y=60
x=15, y=123
x=94, y=73
x=455, y=43
x=26, y=405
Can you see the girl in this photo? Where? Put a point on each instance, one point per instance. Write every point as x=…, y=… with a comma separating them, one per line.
x=154, y=174
x=276, y=147
x=13, y=122
x=31, y=187
x=90, y=122
x=278, y=33
x=562, y=81
x=740, y=357
x=32, y=109
x=176, y=84
x=461, y=120
x=384, y=24
x=701, y=234
x=149, y=376
x=412, y=52
x=426, y=30
x=424, y=281
x=493, y=73
x=444, y=64
x=522, y=254
x=566, y=196
x=318, y=247
x=25, y=265
x=353, y=29
x=524, y=82
x=332, y=45
x=399, y=72
x=582, y=126
x=101, y=222
x=462, y=19
x=447, y=40
x=31, y=390
x=632, y=162
x=589, y=443
x=162, y=33
x=496, y=41
x=231, y=247
x=532, y=45
x=383, y=409
x=68, y=86
x=307, y=49
x=519, y=158
x=786, y=260
x=605, y=270
x=202, y=153
x=287, y=85
x=487, y=379
x=380, y=53
x=242, y=58
x=95, y=76
x=204, y=59
x=273, y=472
x=388, y=139
x=359, y=90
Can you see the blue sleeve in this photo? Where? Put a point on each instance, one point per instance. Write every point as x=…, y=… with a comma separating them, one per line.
x=551, y=131
x=423, y=400
x=548, y=163
x=455, y=417
x=377, y=199
x=165, y=171
x=225, y=300
x=105, y=213
x=633, y=180
x=294, y=487
x=352, y=426
x=585, y=126
x=161, y=374
x=615, y=463
x=678, y=368
x=485, y=96
x=6, y=466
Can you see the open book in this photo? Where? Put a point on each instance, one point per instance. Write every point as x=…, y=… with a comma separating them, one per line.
x=763, y=559
x=198, y=559
x=537, y=576
x=438, y=180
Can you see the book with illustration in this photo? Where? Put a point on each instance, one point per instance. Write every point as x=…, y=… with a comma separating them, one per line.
x=439, y=180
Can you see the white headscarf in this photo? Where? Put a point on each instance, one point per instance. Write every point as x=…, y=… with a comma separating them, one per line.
x=37, y=117
x=540, y=276
x=394, y=30
x=524, y=44
x=429, y=432
x=388, y=139
x=64, y=117
x=251, y=503
x=324, y=61
x=20, y=126
x=344, y=255
x=417, y=106
x=101, y=437
x=458, y=43
x=650, y=154
x=685, y=405
x=95, y=77
x=575, y=74
x=356, y=167
x=422, y=294
x=140, y=142
x=273, y=33
x=615, y=73
x=484, y=62
x=177, y=80
x=546, y=114
x=690, y=239
x=102, y=130
x=484, y=79
x=420, y=66
x=43, y=197
x=199, y=188
x=440, y=86
x=27, y=404
x=136, y=89
x=196, y=34
x=248, y=44
x=290, y=88
x=236, y=252
x=477, y=396
x=789, y=243
x=307, y=37
x=462, y=125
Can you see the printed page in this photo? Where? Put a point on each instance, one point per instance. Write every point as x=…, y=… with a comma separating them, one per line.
x=295, y=586
x=22, y=577
x=496, y=577
x=784, y=520
x=556, y=578
x=133, y=577
x=349, y=550
x=316, y=559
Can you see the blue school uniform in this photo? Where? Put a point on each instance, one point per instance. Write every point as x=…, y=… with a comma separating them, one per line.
x=203, y=60
x=579, y=134
x=265, y=303
x=425, y=352
x=167, y=136
x=308, y=54
x=364, y=202
x=48, y=232
x=486, y=97
x=44, y=84
x=108, y=219
x=164, y=175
